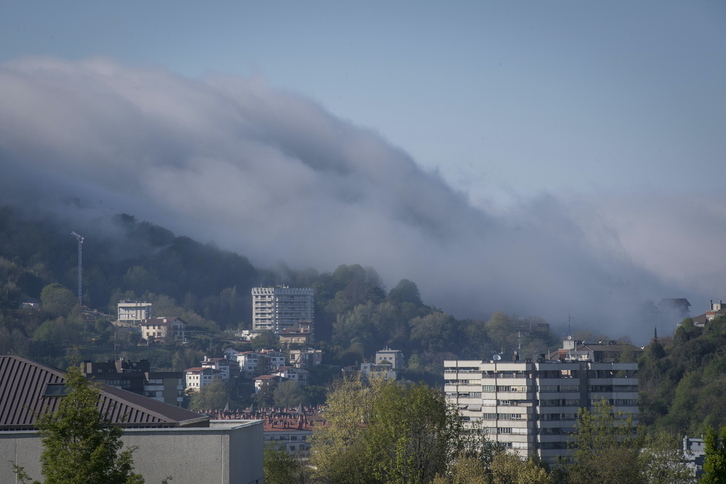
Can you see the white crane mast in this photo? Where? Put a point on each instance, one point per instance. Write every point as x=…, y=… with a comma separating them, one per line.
x=80, y=267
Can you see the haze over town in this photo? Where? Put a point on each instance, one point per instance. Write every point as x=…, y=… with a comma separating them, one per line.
x=558, y=161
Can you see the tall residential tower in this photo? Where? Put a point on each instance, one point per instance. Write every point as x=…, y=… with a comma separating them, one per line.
x=531, y=407
x=278, y=308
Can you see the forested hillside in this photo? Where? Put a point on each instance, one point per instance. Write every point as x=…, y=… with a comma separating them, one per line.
x=682, y=378
x=355, y=314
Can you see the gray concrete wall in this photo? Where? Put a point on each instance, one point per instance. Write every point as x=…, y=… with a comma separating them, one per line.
x=226, y=453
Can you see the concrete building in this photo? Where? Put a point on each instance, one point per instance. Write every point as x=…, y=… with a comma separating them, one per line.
x=169, y=441
x=255, y=362
x=306, y=359
x=373, y=371
x=225, y=452
x=694, y=452
x=278, y=308
x=531, y=407
x=133, y=311
x=392, y=357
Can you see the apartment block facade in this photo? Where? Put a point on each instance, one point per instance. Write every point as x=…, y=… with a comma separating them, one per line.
x=531, y=407
x=133, y=311
x=278, y=308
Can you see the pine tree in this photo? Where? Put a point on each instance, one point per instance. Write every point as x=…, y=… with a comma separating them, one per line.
x=714, y=466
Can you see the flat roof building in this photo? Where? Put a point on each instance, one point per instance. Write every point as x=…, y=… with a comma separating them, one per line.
x=169, y=441
x=531, y=407
x=278, y=308
x=133, y=312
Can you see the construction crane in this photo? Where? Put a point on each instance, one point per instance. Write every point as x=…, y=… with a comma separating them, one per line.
x=80, y=267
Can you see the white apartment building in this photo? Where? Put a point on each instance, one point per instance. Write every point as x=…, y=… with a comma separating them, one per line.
x=222, y=365
x=251, y=362
x=133, y=311
x=531, y=407
x=292, y=373
x=198, y=377
x=278, y=308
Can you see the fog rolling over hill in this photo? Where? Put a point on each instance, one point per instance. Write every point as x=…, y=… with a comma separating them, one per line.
x=273, y=176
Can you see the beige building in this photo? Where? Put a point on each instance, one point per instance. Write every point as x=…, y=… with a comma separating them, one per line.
x=163, y=329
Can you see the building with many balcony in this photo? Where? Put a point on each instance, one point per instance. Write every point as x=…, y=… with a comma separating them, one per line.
x=531, y=407
x=133, y=312
x=278, y=308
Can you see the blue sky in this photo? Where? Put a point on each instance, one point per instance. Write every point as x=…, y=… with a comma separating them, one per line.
x=526, y=156
x=503, y=98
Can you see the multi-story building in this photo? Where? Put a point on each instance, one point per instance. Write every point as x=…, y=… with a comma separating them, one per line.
x=251, y=362
x=301, y=333
x=306, y=358
x=292, y=373
x=163, y=329
x=531, y=407
x=133, y=312
x=373, y=371
x=197, y=378
x=170, y=441
x=278, y=308
x=228, y=368
x=137, y=377
x=389, y=356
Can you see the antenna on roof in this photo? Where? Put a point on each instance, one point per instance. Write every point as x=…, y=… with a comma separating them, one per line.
x=569, y=329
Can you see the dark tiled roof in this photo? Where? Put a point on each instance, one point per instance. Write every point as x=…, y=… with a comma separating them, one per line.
x=23, y=385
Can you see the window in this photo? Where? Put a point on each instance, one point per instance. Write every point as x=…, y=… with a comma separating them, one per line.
x=56, y=390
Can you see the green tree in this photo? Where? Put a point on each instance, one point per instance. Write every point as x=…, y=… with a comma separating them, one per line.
x=289, y=394
x=385, y=432
x=81, y=446
x=662, y=460
x=213, y=397
x=606, y=447
x=282, y=468
x=411, y=434
x=406, y=291
x=508, y=468
x=714, y=466
x=58, y=299
x=465, y=470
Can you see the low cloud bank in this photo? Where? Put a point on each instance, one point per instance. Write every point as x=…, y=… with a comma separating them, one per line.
x=271, y=175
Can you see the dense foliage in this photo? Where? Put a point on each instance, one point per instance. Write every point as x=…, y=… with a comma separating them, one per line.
x=682, y=380
x=387, y=432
